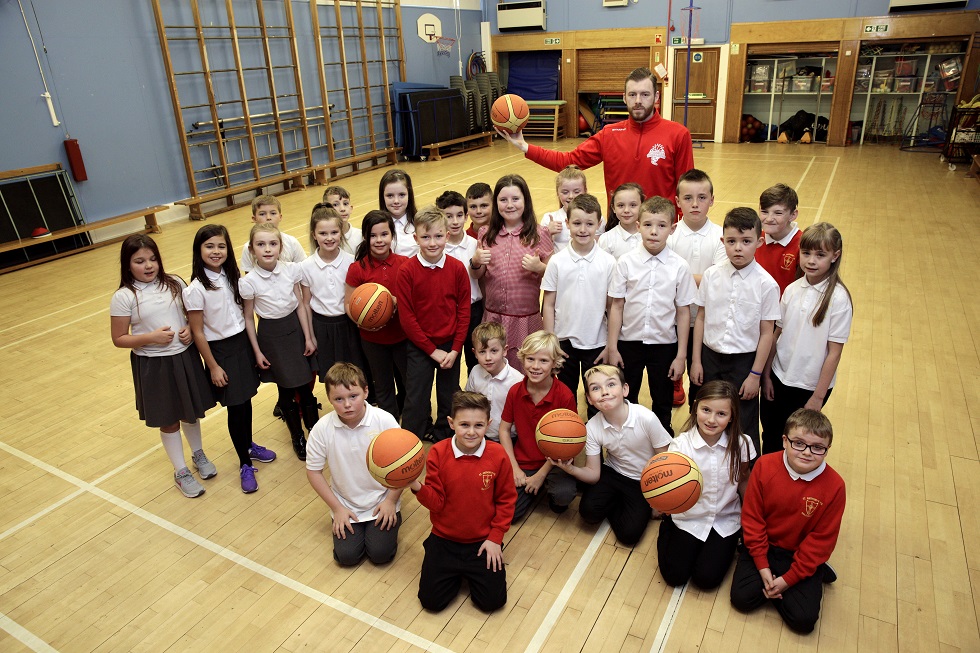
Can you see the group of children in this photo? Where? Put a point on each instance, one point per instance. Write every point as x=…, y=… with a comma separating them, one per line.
x=533, y=308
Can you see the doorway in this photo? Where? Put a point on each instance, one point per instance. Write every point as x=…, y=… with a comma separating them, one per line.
x=703, y=97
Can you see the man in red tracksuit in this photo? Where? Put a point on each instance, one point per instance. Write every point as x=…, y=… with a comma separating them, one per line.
x=645, y=148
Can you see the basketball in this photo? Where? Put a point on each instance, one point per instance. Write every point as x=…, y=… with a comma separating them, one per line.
x=671, y=482
x=510, y=112
x=371, y=306
x=560, y=434
x=395, y=458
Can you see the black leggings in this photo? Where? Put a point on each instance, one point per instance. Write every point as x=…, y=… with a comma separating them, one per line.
x=287, y=395
x=240, y=430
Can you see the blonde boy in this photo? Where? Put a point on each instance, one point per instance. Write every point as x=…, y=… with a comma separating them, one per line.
x=527, y=402
x=493, y=377
x=365, y=514
x=630, y=435
x=576, y=284
x=698, y=241
x=738, y=306
x=651, y=295
x=266, y=209
x=339, y=199
x=433, y=292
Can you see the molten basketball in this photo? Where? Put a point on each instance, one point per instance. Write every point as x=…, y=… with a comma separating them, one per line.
x=560, y=434
x=510, y=112
x=671, y=482
x=395, y=458
x=371, y=306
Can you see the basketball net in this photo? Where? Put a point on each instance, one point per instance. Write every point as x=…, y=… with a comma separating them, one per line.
x=691, y=24
x=444, y=45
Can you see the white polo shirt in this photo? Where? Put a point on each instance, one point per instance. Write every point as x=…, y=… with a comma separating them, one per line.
x=618, y=241
x=326, y=282
x=719, y=506
x=223, y=317
x=627, y=449
x=463, y=252
x=343, y=450
x=151, y=307
x=352, y=239
x=562, y=238
x=735, y=302
x=653, y=286
x=581, y=284
x=273, y=292
x=404, y=238
x=802, y=348
x=495, y=389
x=701, y=249
x=292, y=252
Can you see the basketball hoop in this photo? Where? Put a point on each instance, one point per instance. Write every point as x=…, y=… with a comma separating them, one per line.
x=444, y=45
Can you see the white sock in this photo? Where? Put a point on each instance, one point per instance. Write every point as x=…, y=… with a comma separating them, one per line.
x=174, y=447
x=192, y=431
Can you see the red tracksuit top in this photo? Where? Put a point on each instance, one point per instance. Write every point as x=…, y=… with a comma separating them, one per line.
x=653, y=154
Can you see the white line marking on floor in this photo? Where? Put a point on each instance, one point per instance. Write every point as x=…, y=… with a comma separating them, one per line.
x=670, y=615
x=275, y=576
x=806, y=172
x=47, y=331
x=51, y=313
x=24, y=636
x=554, y=613
x=826, y=191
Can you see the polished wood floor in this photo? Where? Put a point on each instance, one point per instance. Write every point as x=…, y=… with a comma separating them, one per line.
x=99, y=552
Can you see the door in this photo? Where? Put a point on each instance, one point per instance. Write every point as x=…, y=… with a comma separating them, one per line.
x=702, y=100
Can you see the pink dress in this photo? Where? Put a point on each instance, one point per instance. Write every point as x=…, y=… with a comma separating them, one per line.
x=511, y=294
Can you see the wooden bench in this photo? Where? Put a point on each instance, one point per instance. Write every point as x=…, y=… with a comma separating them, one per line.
x=291, y=181
x=471, y=142
x=547, y=119
x=150, y=226
x=327, y=172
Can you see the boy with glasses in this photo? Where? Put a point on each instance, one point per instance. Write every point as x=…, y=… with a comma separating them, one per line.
x=791, y=517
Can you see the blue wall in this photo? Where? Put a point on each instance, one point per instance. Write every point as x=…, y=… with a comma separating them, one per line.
x=422, y=63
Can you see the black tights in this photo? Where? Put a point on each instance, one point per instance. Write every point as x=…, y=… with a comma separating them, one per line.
x=304, y=392
x=240, y=429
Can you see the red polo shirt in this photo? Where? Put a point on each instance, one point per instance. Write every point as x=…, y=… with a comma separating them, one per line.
x=524, y=414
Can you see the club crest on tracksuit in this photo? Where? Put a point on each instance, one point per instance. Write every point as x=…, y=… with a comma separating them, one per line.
x=656, y=153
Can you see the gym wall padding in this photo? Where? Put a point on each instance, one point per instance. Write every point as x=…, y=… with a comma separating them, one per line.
x=534, y=75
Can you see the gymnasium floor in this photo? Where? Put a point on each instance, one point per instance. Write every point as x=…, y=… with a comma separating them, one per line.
x=99, y=552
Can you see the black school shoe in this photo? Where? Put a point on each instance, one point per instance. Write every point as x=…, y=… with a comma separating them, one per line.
x=829, y=575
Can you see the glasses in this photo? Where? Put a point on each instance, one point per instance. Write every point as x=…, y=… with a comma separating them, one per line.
x=815, y=449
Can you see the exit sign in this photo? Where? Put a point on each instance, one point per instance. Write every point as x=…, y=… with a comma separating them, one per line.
x=875, y=28
x=552, y=41
x=678, y=40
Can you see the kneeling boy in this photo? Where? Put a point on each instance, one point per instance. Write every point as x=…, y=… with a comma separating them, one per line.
x=790, y=522
x=631, y=434
x=366, y=514
x=469, y=491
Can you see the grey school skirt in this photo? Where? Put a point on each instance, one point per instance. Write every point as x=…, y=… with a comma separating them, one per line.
x=171, y=389
x=337, y=340
x=281, y=341
x=235, y=356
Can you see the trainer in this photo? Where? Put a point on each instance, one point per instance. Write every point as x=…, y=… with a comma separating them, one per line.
x=645, y=148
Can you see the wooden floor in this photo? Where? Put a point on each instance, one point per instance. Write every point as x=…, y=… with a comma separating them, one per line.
x=99, y=552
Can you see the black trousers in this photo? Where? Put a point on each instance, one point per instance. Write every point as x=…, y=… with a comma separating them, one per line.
x=384, y=361
x=476, y=317
x=684, y=557
x=693, y=388
x=420, y=368
x=447, y=563
x=800, y=605
x=379, y=545
x=574, y=368
x=734, y=368
x=655, y=360
x=786, y=400
x=619, y=499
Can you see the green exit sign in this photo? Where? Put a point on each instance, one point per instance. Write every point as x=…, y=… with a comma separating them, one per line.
x=552, y=41
x=875, y=28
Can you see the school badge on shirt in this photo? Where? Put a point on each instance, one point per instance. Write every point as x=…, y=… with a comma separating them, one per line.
x=487, y=478
x=810, y=506
x=656, y=153
x=788, y=261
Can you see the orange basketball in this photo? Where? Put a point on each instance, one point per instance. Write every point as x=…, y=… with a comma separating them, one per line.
x=395, y=458
x=510, y=112
x=671, y=482
x=560, y=434
x=371, y=306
